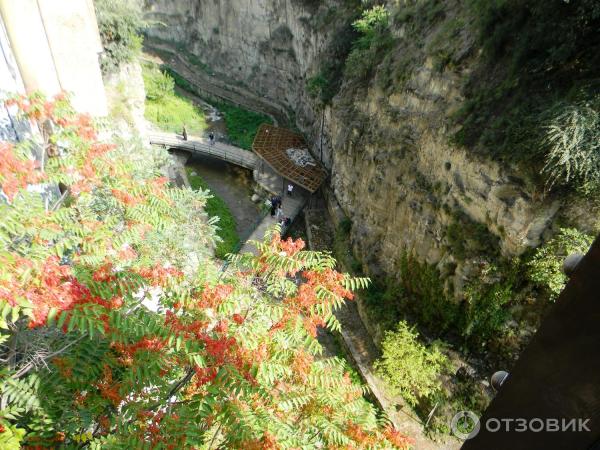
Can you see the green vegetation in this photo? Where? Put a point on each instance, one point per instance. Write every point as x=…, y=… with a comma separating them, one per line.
x=119, y=23
x=425, y=297
x=419, y=296
x=545, y=268
x=486, y=310
x=324, y=85
x=467, y=237
x=216, y=207
x=573, y=141
x=539, y=57
x=120, y=330
x=410, y=367
x=242, y=124
x=475, y=323
x=370, y=47
x=167, y=109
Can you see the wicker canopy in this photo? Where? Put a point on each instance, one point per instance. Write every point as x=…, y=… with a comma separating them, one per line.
x=272, y=143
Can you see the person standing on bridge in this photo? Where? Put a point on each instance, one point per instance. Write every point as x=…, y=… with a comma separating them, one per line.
x=211, y=138
x=184, y=133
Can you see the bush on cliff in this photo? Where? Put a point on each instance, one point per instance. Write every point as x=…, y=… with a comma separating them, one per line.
x=410, y=367
x=545, y=268
x=119, y=23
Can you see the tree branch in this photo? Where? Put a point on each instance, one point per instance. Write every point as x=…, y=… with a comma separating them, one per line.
x=32, y=364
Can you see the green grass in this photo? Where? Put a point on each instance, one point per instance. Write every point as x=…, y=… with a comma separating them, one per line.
x=215, y=206
x=171, y=111
x=242, y=124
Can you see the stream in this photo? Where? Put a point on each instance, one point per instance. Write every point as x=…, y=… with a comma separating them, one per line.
x=231, y=183
x=234, y=185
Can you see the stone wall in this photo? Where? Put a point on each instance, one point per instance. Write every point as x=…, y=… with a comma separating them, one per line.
x=56, y=47
x=394, y=170
x=270, y=47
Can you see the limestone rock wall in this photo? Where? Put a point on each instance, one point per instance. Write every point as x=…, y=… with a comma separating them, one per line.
x=394, y=172
x=270, y=47
x=399, y=179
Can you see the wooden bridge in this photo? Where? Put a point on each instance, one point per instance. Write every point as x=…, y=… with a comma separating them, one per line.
x=201, y=146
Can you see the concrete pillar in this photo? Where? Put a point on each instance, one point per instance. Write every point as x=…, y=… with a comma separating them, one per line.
x=11, y=128
x=29, y=43
x=56, y=45
x=74, y=43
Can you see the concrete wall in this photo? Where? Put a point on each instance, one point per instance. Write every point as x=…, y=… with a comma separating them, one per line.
x=11, y=129
x=56, y=46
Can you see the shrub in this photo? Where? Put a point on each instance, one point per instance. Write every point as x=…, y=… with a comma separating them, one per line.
x=467, y=237
x=158, y=85
x=369, y=48
x=242, y=124
x=167, y=109
x=411, y=368
x=539, y=52
x=573, y=142
x=119, y=23
x=425, y=295
x=545, y=268
x=486, y=310
x=111, y=339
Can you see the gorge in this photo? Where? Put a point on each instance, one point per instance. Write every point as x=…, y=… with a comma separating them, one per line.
x=445, y=223
x=147, y=296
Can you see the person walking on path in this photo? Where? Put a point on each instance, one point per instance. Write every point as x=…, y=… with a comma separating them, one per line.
x=184, y=133
x=279, y=213
x=211, y=138
x=273, y=205
x=290, y=189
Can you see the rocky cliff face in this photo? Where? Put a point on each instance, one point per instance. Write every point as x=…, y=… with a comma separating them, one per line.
x=268, y=47
x=394, y=171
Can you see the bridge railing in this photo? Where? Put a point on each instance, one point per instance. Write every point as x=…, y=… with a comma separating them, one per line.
x=226, y=152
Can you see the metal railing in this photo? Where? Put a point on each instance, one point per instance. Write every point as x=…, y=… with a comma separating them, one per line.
x=225, y=152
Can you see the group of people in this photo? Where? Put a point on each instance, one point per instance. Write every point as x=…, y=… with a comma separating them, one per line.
x=211, y=136
x=277, y=211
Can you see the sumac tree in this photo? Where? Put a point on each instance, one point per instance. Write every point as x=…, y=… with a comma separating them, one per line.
x=119, y=329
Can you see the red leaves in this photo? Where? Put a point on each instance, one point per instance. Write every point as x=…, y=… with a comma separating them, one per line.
x=301, y=365
x=267, y=442
x=128, y=351
x=108, y=388
x=220, y=349
x=289, y=246
x=400, y=440
x=160, y=275
x=306, y=298
x=237, y=318
x=205, y=375
x=16, y=173
x=64, y=367
x=126, y=198
x=55, y=286
x=213, y=297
